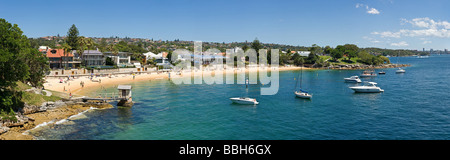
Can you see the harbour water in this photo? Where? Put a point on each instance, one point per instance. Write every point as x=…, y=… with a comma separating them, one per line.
x=415, y=105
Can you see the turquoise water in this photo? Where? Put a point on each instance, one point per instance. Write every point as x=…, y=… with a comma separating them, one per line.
x=415, y=105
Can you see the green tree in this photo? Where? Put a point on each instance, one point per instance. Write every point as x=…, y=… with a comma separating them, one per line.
x=256, y=45
x=13, y=49
x=336, y=54
x=72, y=37
x=328, y=50
x=299, y=61
x=81, y=46
x=365, y=58
x=109, y=61
x=245, y=48
x=67, y=49
x=385, y=59
x=18, y=62
x=38, y=64
x=315, y=49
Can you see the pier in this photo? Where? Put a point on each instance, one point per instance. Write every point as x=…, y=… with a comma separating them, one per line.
x=123, y=96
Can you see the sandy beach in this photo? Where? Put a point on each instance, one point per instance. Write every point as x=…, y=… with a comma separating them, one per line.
x=74, y=87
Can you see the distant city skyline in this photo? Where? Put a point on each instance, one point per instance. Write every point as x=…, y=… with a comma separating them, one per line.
x=393, y=24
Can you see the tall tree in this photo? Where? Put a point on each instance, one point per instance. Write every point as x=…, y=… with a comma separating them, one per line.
x=72, y=37
x=13, y=46
x=67, y=49
x=38, y=64
x=18, y=62
x=81, y=47
x=256, y=45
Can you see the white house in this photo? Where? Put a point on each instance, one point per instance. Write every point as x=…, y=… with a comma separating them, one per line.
x=160, y=57
x=303, y=53
x=121, y=59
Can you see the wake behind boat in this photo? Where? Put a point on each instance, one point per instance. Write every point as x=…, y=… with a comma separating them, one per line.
x=244, y=100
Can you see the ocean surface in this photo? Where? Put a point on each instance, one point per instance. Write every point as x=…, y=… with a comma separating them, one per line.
x=415, y=105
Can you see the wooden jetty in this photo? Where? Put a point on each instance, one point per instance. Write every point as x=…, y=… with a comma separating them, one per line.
x=123, y=96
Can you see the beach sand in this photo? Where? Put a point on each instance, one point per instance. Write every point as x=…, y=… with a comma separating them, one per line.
x=74, y=87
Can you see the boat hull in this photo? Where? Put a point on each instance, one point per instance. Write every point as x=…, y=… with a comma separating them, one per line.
x=303, y=95
x=367, y=90
x=352, y=81
x=244, y=101
x=372, y=75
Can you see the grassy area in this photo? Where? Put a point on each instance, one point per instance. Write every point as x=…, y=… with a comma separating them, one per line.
x=341, y=61
x=37, y=99
x=21, y=97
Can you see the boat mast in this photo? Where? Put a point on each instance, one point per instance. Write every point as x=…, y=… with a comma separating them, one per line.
x=301, y=78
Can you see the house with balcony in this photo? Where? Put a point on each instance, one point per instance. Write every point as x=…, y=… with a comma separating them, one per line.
x=58, y=58
x=93, y=58
x=120, y=59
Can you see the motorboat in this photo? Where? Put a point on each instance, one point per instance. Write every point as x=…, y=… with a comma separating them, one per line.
x=370, y=88
x=304, y=95
x=244, y=100
x=422, y=56
x=400, y=70
x=368, y=74
x=382, y=72
x=353, y=79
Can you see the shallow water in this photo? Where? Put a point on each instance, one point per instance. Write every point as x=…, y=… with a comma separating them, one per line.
x=415, y=105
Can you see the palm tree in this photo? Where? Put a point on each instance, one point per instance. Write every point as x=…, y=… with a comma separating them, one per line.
x=81, y=47
x=113, y=49
x=89, y=43
x=67, y=48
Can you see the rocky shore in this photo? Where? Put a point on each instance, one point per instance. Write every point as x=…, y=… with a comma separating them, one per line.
x=357, y=66
x=31, y=116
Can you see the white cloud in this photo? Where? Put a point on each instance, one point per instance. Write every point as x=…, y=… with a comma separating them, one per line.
x=428, y=28
x=426, y=42
x=388, y=34
x=359, y=5
x=373, y=11
x=368, y=9
x=400, y=44
x=375, y=41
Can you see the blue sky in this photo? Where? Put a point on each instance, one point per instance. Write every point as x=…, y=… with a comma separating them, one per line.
x=376, y=23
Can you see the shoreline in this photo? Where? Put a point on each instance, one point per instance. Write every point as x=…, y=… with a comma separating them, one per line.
x=63, y=114
x=74, y=87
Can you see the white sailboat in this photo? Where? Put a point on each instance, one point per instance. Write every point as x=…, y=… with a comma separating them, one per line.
x=301, y=93
x=400, y=70
x=244, y=100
